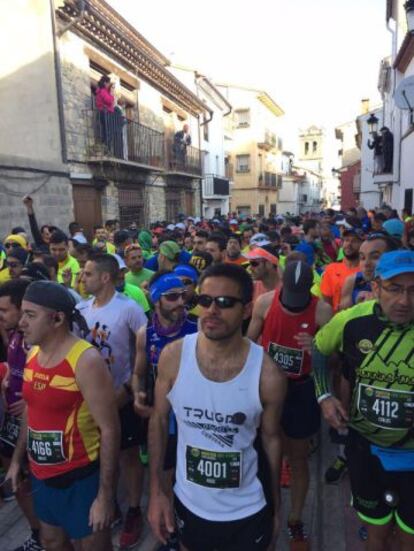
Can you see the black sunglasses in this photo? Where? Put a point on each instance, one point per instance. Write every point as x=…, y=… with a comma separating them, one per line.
x=173, y=297
x=206, y=301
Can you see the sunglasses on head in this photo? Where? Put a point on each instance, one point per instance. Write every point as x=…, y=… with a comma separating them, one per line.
x=173, y=297
x=133, y=247
x=205, y=301
x=376, y=235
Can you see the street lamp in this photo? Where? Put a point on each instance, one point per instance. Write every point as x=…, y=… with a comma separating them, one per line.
x=373, y=124
x=409, y=9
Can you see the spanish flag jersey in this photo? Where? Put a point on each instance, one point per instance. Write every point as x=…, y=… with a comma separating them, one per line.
x=62, y=435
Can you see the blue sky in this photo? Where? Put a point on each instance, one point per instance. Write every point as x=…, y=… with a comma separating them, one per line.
x=317, y=58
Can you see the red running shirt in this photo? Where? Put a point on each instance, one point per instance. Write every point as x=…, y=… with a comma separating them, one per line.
x=278, y=340
x=62, y=435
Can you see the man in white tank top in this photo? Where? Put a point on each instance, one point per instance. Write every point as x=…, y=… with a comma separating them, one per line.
x=222, y=388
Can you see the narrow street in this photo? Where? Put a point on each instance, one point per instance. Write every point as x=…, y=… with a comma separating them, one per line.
x=328, y=515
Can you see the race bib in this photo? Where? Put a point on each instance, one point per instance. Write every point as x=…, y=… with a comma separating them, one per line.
x=10, y=429
x=289, y=359
x=386, y=408
x=46, y=447
x=213, y=469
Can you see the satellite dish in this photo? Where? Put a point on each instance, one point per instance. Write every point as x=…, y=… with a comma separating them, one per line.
x=404, y=94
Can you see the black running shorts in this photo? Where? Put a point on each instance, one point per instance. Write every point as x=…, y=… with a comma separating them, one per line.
x=252, y=533
x=370, y=483
x=301, y=417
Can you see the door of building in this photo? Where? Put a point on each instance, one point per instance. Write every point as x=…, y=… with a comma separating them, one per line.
x=87, y=207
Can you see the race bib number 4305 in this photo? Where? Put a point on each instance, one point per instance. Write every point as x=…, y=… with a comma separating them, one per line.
x=213, y=469
x=46, y=447
x=289, y=359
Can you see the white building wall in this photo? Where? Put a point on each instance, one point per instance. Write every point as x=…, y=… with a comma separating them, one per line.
x=370, y=195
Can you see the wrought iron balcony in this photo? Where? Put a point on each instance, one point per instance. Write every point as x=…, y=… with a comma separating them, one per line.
x=215, y=185
x=112, y=136
x=268, y=141
x=183, y=159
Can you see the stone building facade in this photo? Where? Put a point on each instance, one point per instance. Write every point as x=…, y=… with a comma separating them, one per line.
x=53, y=129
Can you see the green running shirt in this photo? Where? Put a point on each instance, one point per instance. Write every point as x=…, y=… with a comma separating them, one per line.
x=379, y=363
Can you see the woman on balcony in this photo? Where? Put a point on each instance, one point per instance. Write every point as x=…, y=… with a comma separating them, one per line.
x=105, y=104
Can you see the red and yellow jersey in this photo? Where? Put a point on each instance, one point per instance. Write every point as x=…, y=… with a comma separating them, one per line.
x=62, y=434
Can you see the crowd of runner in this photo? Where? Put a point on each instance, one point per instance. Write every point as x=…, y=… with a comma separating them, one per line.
x=207, y=350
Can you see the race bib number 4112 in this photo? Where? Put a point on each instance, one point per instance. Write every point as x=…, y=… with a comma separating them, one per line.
x=386, y=408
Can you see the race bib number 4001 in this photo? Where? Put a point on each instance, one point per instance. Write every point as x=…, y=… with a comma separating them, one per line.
x=46, y=447
x=386, y=408
x=289, y=359
x=213, y=469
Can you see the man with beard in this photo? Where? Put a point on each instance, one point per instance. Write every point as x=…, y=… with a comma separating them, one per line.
x=222, y=389
x=113, y=321
x=335, y=274
x=357, y=287
x=233, y=252
x=169, y=323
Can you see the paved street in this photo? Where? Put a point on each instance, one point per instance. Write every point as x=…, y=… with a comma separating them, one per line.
x=328, y=517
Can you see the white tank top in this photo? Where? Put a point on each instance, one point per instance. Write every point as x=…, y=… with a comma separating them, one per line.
x=216, y=476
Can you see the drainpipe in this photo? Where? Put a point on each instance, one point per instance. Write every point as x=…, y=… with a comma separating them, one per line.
x=201, y=168
x=59, y=89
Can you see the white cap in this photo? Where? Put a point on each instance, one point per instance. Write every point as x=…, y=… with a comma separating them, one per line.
x=121, y=263
x=259, y=239
x=180, y=226
x=171, y=227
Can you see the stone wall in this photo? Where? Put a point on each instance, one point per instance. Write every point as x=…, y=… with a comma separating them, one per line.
x=77, y=98
x=155, y=204
x=110, y=204
x=52, y=199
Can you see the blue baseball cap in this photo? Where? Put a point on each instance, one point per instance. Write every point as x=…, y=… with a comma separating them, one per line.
x=395, y=263
x=394, y=227
x=164, y=284
x=185, y=270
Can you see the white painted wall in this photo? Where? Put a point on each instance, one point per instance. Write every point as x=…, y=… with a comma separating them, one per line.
x=370, y=196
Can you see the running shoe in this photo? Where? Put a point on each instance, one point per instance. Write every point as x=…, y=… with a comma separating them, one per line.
x=31, y=544
x=335, y=472
x=363, y=533
x=297, y=536
x=132, y=529
x=285, y=474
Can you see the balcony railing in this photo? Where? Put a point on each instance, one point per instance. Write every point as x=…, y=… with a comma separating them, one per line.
x=270, y=179
x=110, y=135
x=267, y=141
x=215, y=185
x=185, y=159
